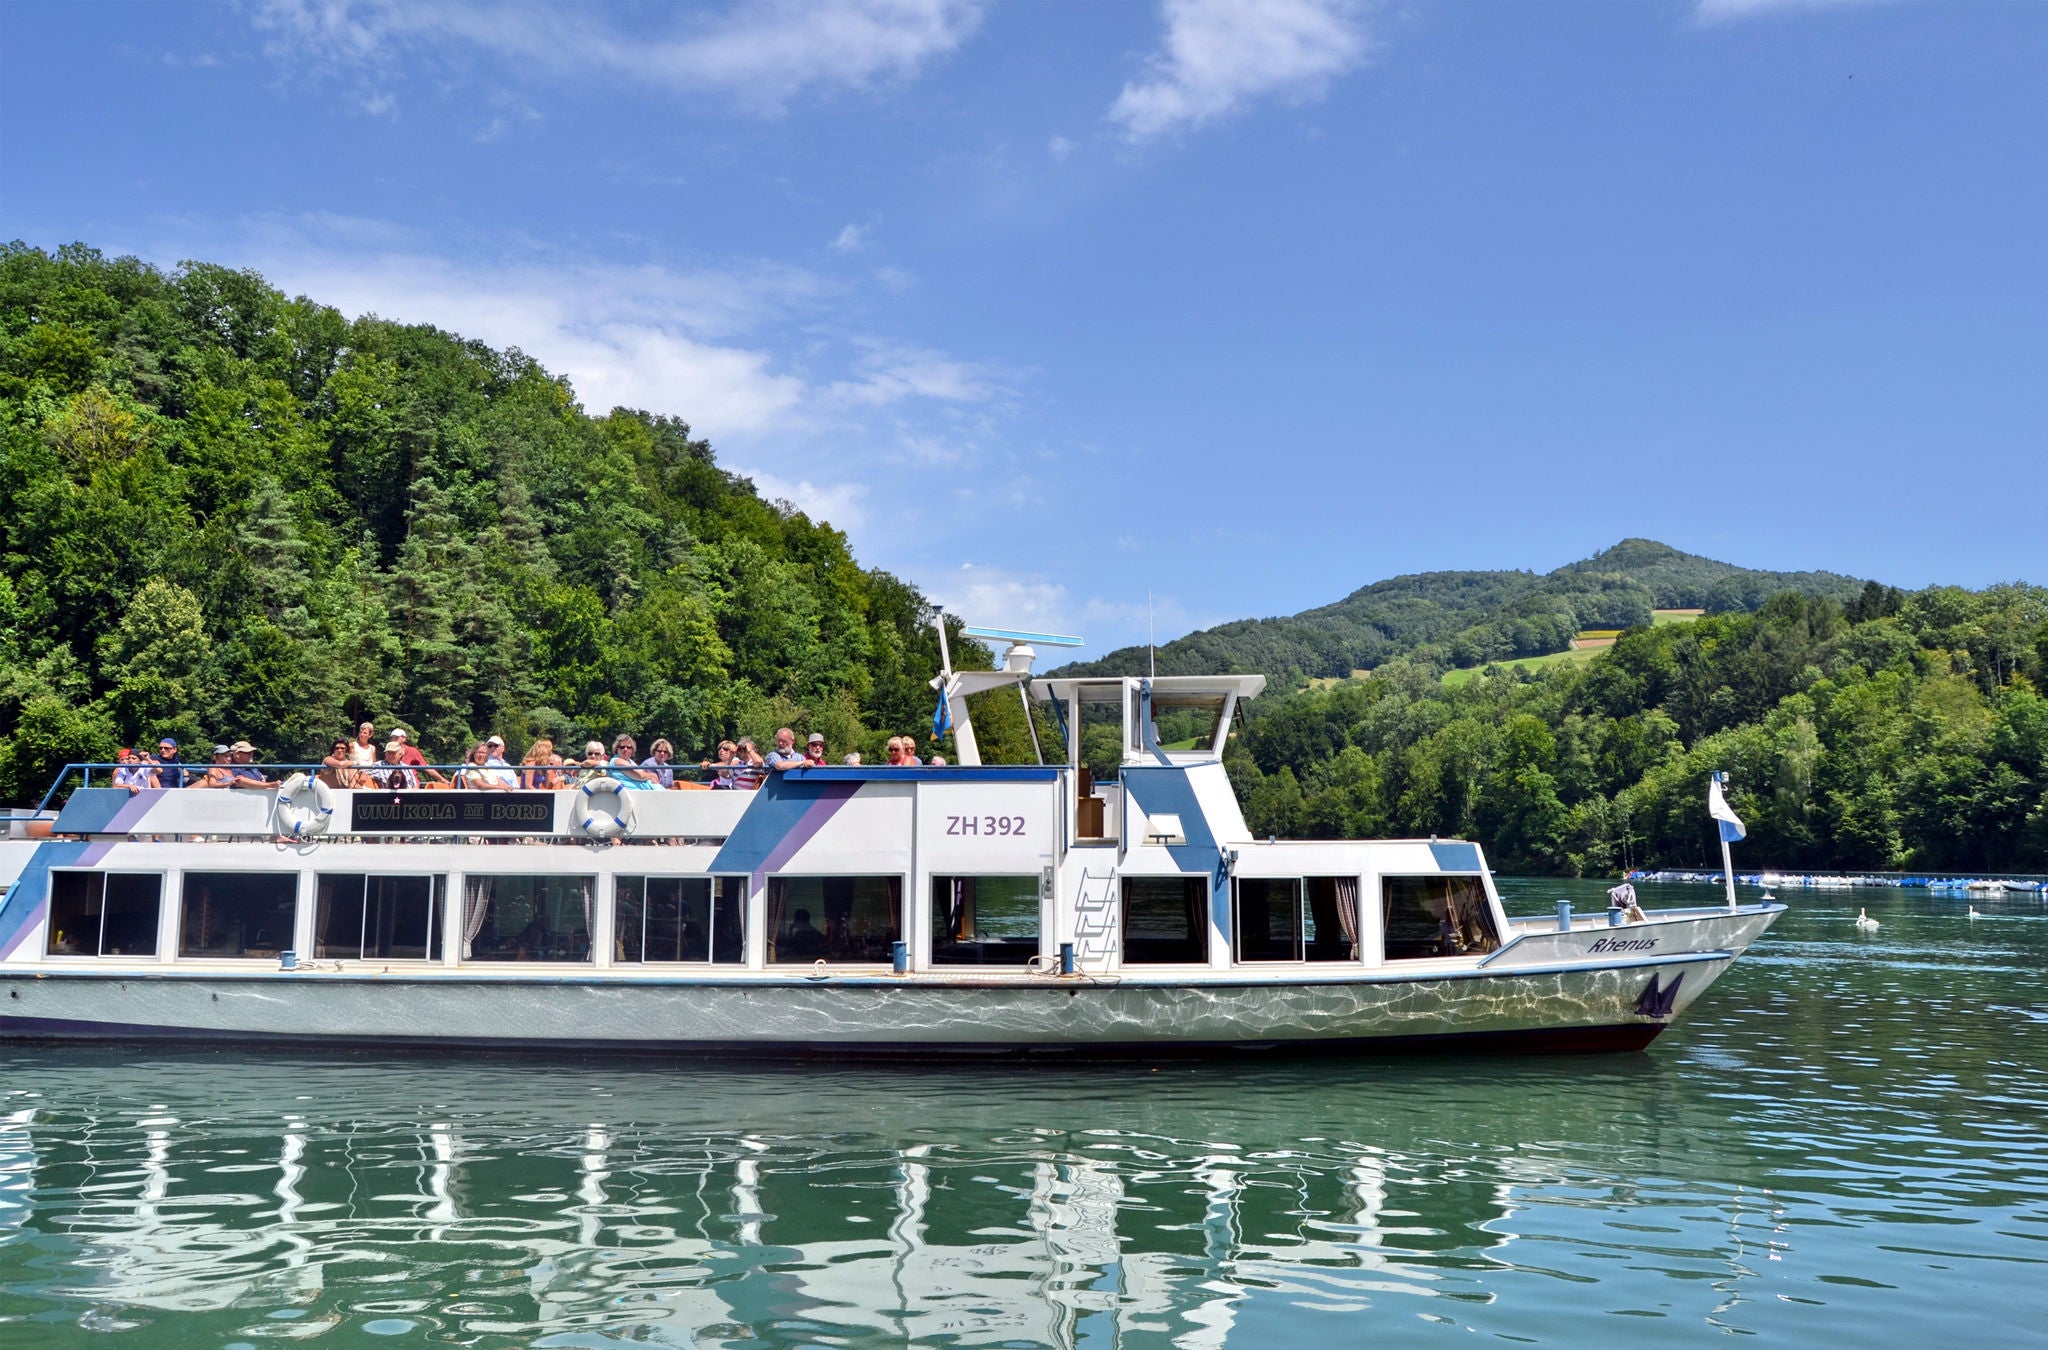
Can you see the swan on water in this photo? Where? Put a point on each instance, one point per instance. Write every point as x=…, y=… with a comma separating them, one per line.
x=1974, y=914
x=1864, y=921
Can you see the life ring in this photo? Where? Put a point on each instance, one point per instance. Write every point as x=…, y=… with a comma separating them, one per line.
x=299, y=818
x=606, y=811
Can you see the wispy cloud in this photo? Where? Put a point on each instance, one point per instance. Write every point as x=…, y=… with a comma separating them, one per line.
x=1218, y=55
x=1725, y=11
x=837, y=504
x=756, y=53
x=850, y=239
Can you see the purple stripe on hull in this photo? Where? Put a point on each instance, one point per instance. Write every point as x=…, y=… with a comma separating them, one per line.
x=1531, y=1041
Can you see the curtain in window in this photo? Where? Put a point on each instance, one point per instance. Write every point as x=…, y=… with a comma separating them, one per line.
x=589, y=887
x=778, y=896
x=956, y=904
x=476, y=902
x=1347, y=911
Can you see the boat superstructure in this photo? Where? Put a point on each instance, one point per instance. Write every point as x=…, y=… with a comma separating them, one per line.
x=845, y=910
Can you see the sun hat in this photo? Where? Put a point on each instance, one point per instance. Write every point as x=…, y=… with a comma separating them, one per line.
x=222, y=750
x=817, y=738
x=394, y=744
x=164, y=741
x=242, y=748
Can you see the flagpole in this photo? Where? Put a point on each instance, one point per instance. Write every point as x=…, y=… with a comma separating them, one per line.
x=1727, y=857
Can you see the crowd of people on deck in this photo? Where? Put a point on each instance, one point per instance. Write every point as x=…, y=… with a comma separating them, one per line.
x=362, y=762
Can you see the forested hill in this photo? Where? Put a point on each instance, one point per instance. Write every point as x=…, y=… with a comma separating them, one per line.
x=1464, y=619
x=225, y=512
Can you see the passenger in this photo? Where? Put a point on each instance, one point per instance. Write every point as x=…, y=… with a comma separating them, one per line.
x=534, y=772
x=938, y=761
x=627, y=769
x=393, y=772
x=893, y=754
x=244, y=773
x=658, y=760
x=592, y=764
x=722, y=763
x=479, y=774
x=814, y=750
x=414, y=759
x=362, y=751
x=221, y=772
x=785, y=755
x=496, y=745
x=852, y=758
x=134, y=774
x=170, y=770
x=910, y=759
x=751, y=770
x=801, y=938
x=338, y=768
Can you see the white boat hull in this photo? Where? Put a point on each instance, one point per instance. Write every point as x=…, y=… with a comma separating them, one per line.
x=1542, y=1007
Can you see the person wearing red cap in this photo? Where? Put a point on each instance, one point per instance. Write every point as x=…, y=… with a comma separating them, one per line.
x=134, y=774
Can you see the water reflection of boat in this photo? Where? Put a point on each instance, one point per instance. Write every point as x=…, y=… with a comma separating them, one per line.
x=1014, y=909
x=969, y=1209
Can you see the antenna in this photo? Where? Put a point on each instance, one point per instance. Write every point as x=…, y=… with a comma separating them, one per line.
x=1151, y=654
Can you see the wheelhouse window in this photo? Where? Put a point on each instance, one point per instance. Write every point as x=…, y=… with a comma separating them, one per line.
x=1437, y=916
x=377, y=918
x=1297, y=919
x=1166, y=920
x=856, y=919
x=984, y=921
x=238, y=914
x=104, y=913
x=527, y=918
x=680, y=919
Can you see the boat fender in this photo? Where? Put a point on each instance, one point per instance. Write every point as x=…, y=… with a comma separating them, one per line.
x=305, y=807
x=606, y=811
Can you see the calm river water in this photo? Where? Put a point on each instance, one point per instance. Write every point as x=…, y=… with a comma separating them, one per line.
x=1841, y=1144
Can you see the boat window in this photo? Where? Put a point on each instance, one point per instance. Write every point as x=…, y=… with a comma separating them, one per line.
x=1437, y=916
x=372, y=918
x=1297, y=919
x=984, y=921
x=104, y=913
x=1187, y=723
x=527, y=918
x=1166, y=920
x=680, y=919
x=833, y=918
x=238, y=914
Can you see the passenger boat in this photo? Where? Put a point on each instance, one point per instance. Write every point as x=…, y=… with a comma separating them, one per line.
x=1021, y=909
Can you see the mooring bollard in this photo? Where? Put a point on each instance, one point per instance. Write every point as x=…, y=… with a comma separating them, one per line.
x=899, y=957
x=287, y=960
x=1066, y=958
x=1564, y=916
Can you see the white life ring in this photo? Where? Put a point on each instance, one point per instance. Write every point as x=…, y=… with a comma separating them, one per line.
x=299, y=818
x=606, y=811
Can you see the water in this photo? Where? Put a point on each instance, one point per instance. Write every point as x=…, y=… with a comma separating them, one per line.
x=1840, y=1144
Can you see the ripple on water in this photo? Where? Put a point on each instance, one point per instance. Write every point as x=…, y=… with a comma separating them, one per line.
x=1839, y=1132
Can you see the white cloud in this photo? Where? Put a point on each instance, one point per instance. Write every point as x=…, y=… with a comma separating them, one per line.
x=837, y=504
x=851, y=239
x=1725, y=11
x=1220, y=54
x=888, y=372
x=1059, y=147
x=759, y=53
x=998, y=598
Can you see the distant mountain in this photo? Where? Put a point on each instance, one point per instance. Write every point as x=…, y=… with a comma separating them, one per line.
x=1469, y=618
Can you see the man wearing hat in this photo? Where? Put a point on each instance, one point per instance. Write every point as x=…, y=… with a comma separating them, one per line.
x=170, y=770
x=409, y=755
x=814, y=750
x=245, y=774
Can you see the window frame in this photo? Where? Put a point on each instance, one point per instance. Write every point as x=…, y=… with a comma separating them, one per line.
x=1304, y=902
x=937, y=914
x=769, y=925
x=715, y=882
x=1200, y=912
x=437, y=915
x=1484, y=911
x=467, y=955
x=156, y=948
x=184, y=895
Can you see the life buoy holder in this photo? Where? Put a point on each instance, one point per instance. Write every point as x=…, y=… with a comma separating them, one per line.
x=605, y=810
x=301, y=813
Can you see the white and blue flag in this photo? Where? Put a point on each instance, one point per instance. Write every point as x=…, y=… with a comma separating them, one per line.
x=1718, y=808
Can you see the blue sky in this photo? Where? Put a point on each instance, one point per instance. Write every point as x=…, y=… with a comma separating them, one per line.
x=1242, y=302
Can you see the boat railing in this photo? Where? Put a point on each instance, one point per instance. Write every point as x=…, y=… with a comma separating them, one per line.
x=566, y=776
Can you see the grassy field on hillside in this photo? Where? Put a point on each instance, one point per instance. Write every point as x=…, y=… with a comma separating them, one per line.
x=1454, y=678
